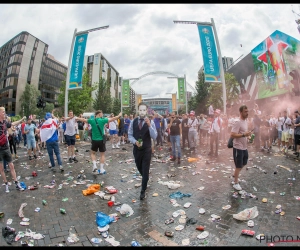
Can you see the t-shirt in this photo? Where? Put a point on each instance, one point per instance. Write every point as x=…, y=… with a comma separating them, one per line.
x=126, y=123
x=80, y=125
x=278, y=123
x=157, y=122
x=112, y=125
x=31, y=128
x=240, y=127
x=70, y=127
x=286, y=122
x=174, y=129
x=194, y=125
x=184, y=124
x=95, y=131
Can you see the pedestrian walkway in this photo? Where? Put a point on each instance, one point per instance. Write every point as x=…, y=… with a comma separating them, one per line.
x=198, y=182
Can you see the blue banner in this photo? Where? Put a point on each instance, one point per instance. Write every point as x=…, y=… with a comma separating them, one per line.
x=209, y=53
x=77, y=62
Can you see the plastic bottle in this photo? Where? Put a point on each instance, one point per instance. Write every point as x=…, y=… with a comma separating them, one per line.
x=140, y=142
x=44, y=202
x=252, y=138
x=134, y=243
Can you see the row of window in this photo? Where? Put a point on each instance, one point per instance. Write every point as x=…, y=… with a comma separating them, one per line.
x=157, y=102
x=55, y=66
x=54, y=73
x=10, y=93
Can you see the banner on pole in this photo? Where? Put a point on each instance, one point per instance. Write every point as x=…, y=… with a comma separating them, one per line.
x=181, y=91
x=125, y=93
x=174, y=102
x=209, y=53
x=77, y=62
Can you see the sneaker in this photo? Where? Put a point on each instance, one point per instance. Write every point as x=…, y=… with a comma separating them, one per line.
x=101, y=172
x=123, y=143
x=117, y=146
x=113, y=146
x=75, y=160
x=173, y=158
x=237, y=186
x=34, y=156
x=286, y=150
x=70, y=160
x=61, y=168
x=30, y=157
x=16, y=156
x=94, y=169
x=18, y=186
x=6, y=189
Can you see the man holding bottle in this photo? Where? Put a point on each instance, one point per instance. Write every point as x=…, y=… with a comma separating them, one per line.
x=140, y=132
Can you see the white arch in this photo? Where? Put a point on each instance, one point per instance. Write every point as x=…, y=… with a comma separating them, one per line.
x=160, y=73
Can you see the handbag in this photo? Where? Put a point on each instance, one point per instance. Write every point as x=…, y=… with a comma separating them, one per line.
x=230, y=143
x=104, y=138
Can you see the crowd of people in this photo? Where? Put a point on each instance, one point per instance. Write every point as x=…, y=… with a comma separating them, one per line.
x=147, y=133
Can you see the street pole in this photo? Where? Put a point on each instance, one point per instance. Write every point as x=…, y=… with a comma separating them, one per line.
x=68, y=75
x=186, y=101
x=220, y=66
x=121, y=79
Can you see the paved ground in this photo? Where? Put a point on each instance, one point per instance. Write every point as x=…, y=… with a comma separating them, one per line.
x=147, y=225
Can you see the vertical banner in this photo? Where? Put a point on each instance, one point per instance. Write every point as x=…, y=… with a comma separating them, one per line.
x=138, y=99
x=77, y=62
x=125, y=93
x=174, y=103
x=181, y=91
x=209, y=53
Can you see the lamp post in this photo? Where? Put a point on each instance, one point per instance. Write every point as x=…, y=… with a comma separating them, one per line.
x=212, y=23
x=70, y=58
x=128, y=79
x=186, y=101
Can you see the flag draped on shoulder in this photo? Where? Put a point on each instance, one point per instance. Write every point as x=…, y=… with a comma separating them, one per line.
x=48, y=129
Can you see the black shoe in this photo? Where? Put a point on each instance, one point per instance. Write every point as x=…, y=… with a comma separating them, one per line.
x=295, y=153
x=34, y=156
x=173, y=159
x=75, y=160
x=70, y=160
x=178, y=160
x=30, y=157
x=143, y=195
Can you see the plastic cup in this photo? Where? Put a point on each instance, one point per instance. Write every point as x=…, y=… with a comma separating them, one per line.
x=110, y=203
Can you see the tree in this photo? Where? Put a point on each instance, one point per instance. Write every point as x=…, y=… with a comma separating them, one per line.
x=103, y=100
x=78, y=99
x=198, y=102
x=28, y=100
x=116, y=106
x=216, y=92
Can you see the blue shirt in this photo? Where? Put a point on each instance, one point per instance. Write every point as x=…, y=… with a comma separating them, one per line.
x=30, y=128
x=127, y=122
x=152, y=130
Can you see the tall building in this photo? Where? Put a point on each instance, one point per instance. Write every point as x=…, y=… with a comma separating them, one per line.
x=98, y=67
x=24, y=60
x=227, y=62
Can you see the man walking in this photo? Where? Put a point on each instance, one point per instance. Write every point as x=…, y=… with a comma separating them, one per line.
x=98, y=137
x=193, y=127
x=49, y=134
x=240, y=133
x=285, y=127
x=157, y=121
x=4, y=150
x=140, y=132
x=185, y=131
x=214, y=132
x=29, y=130
x=174, y=124
x=70, y=136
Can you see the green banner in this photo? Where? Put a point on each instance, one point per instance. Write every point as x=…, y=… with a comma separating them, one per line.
x=125, y=93
x=181, y=91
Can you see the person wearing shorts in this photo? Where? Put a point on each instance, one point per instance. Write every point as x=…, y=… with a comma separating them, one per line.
x=286, y=123
x=29, y=130
x=70, y=135
x=239, y=133
x=98, y=138
x=113, y=132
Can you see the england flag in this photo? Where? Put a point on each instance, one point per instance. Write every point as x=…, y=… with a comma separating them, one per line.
x=48, y=129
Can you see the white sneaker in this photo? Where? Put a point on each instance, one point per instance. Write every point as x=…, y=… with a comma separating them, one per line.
x=18, y=186
x=286, y=150
x=6, y=189
x=237, y=187
x=94, y=169
x=61, y=168
x=117, y=146
x=113, y=146
x=123, y=143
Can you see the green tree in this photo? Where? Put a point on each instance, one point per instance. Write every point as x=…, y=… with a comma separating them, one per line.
x=116, y=106
x=28, y=100
x=78, y=99
x=103, y=100
x=216, y=92
x=49, y=108
x=198, y=102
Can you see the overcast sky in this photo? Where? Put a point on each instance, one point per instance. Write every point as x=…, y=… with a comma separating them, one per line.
x=142, y=38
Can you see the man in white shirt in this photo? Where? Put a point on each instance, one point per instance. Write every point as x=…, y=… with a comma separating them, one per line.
x=278, y=124
x=71, y=122
x=286, y=123
x=193, y=127
x=211, y=111
x=214, y=132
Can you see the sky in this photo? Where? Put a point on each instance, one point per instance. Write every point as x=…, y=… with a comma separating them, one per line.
x=143, y=39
